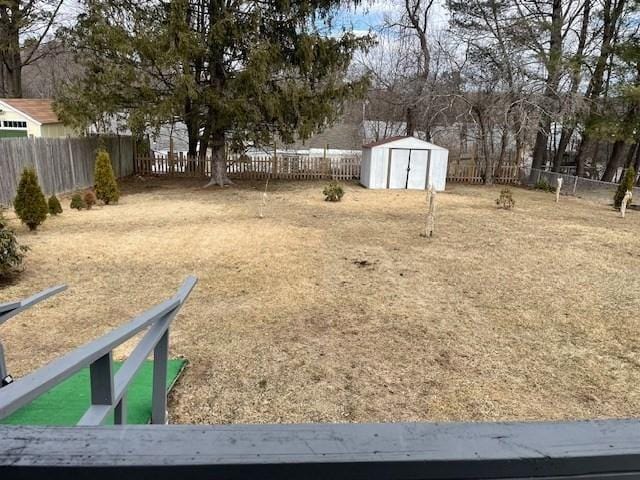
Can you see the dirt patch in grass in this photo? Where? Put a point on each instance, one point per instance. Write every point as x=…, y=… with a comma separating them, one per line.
x=330, y=312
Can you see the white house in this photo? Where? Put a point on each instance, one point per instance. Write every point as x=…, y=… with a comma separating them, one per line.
x=31, y=117
x=405, y=163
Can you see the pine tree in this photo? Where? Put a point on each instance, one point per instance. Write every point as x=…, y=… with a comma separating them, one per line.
x=30, y=204
x=11, y=253
x=106, y=185
x=625, y=184
x=233, y=72
x=77, y=202
x=54, y=205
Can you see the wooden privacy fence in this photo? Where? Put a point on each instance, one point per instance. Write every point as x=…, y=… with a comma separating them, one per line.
x=62, y=164
x=254, y=168
x=507, y=174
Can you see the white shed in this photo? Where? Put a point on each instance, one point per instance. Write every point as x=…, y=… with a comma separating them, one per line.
x=403, y=162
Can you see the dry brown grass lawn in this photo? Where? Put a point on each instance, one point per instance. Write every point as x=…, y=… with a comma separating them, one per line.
x=342, y=312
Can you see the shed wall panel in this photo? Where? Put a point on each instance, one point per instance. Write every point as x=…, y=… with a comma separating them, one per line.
x=379, y=167
x=439, y=160
x=365, y=168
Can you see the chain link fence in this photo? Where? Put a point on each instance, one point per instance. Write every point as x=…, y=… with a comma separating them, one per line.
x=594, y=190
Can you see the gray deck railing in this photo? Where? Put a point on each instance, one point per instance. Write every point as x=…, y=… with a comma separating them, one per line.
x=108, y=390
x=11, y=309
x=579, y=450
x=607, y=449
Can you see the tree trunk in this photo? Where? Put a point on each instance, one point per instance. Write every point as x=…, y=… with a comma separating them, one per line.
x=218, y=161
x=12, y=64
x=567, y=131
x=636, y=163
x=3, y=91
x=488, y=163
x=615, y=161
x=193, y=128
x=14, y=80
x=540, y=148
x=11, y=20
x=565, y=137
x=581, y=156
x=503, y=150
x=553, y=65
x=411, y=121
x=631, y=154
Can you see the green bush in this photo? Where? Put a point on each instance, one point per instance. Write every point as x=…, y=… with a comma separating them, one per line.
x=106, y=185
x=11, y=253
x=30, y=203
x=89, y=199
x=626, y=184
x=333, y=192
x=505, y=200
x=54, y=205
x=545, y=186
x=77, y=202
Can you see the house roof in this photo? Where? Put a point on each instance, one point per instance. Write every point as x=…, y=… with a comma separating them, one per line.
x=385, y=140
x=40, y=110
x=404, y=142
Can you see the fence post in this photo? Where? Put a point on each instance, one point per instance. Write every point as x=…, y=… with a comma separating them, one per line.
x=324, y=160
x=159, y=395
x=119, y=156
x=171, y=163
x=134, y=153
x=575, y=184
x=71, y=165
x=274, y=166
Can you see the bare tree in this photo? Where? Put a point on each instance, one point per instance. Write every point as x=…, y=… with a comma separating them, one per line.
x=612, y=16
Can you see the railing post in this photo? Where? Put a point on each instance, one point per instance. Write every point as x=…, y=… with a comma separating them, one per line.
x=102, y=380
x=159, y=396
x=3, y=365
x=120, y=412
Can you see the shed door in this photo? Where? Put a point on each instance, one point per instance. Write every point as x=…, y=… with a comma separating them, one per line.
x=398, y=168
x=408, y=168
x=418, y=169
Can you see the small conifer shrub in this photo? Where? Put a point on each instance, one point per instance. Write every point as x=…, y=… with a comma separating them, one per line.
x=333, y=192
x=544, y=186
x=505, y=200
x=625, y=185
x=89, y=199
x=77, y=202
x=30, y=203
x=11, y=253
x=54, y=205
x=106, y=186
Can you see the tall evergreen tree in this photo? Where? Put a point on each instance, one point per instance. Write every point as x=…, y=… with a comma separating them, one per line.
x=106, y=185
x=30, y=203
x=234, y=71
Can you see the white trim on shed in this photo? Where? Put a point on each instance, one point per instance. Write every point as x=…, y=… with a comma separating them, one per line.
x=404, y=163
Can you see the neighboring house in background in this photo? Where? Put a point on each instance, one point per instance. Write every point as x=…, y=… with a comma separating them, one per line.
x=31, y=117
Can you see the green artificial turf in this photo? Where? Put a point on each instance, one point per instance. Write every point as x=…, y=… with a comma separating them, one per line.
x=66, y=403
